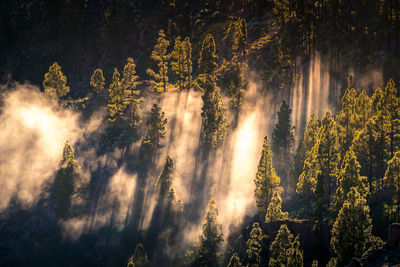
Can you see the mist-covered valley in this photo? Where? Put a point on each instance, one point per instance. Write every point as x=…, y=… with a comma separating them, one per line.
x=199, y=133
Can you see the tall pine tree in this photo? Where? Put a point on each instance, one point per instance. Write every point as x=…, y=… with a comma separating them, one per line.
x=266, y=179
x=54, y=82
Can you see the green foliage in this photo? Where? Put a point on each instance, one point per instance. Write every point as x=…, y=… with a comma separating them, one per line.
x=295, y=254
x=182, y=64
x=208, y=59
x=282, y=135
x=274, y=211
x=207, y=251
x=308, y=179
x=352, y=229
x=139, y=259
x=130, y=81
x=266, y=179
x=161, y=56
x=64, y=183
x=117, y=103
x=97, y=81
x=347, y=119
x=155, y=125
x=214, y=123
x=255, y=244
x=54, y=82
x=234, y=261
x=349, y=176
x=392, y=181
x=304, y=170
x=164, y=181
x=284, y=250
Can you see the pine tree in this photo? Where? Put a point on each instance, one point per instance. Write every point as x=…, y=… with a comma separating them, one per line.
x=282, y=135
x=207, y=251
x=352, y=229
x=54, y=82
x=213, y=111
x=389, y=105
x=234, y=261
x=155, y=128
x=208, y=58
x=178, y=65
x=302, y=155
x=160, y=55
x=97, y=81
x=116, y=106
x=129, y=80
x=164, y=181
x=283, y=141
x=295, y=254
x=254, y=245
x=187, y=63
x=139, y=259
x=266, y=179
x=363, y=109
x=349, y=177
x=346, y=120
x=284, y=250
x=328, y=154
x=214, y=123
x=274, y=211
x=308, y=179
x=311, y=134
x=64, y=183
x=129, y=83
x=392, y=181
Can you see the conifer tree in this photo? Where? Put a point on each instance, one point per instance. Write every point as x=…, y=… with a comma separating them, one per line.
x=187, y=63
x=308, y=179
x=363, y=109
x=155, y=128
x=311, y=134
x=139, y=258
x=283, y=141
x=214, y=122
x=364, y=146
x=117, y=103
x=129, y=83
x=207, y=251
x=160, y=55
x=178, y=64
x=389, y=106
x=346, y=120
x=284, y=250
x=282, y=135
x=208, y=58
x=266, y=179
x=304, y=149
x=295, y=257
x=274, y=211
x=64, y=183
x=164, y=181
x=351, y=231
x=129, y=80
x=392, y=181
x=54, y=82
x=234, y=261
x=255, y=244
x=97, y=81
x=328, y=154
x=349, y=177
